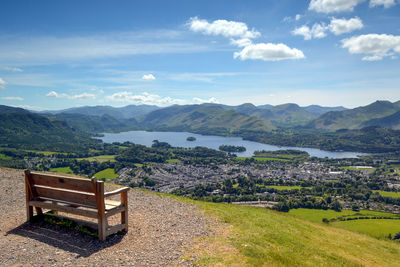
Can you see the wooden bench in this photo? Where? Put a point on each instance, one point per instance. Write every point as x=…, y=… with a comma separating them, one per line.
x=76, y=196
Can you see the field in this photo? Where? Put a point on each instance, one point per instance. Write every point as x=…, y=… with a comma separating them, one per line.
x=102, y=158
x=388, y=194
x=66, y=170
x=379, y=228
x=106, y=174
x=173, y=160
x=46, y=153
x=4, y=157
x=260, y=237
x=358, y=169
x=286, y=187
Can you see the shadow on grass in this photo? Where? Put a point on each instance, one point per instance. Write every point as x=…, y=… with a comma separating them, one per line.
x=83, y=243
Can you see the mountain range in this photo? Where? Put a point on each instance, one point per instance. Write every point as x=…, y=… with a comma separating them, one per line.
x=287, y=124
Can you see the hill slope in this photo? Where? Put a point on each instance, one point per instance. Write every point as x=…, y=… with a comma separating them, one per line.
x=127, y=112
x=23, y=129
x=391, y=121
x=354, y=118
x=210, y=119
x=261, y=237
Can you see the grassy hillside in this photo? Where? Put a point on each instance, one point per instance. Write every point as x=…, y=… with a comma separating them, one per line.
x=93, y=124
x=354, y=118
x=210, y=119
x=391, y=121
x=20, y=128
x=260, y=237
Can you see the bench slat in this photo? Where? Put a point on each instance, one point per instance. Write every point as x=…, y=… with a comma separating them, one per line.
x=83, y=198
x=44, y=205
x=65, y=182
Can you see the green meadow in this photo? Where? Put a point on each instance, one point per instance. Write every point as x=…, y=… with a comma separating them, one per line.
x=106, y=174
x=102, y=158
x=252, y=236
x=66, y=170
x=388, y=194
x=379, y=228
x=4, y=157
x=287, y=187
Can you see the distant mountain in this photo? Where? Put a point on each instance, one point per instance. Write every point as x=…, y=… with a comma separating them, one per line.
x=391, y=122
x=355, y=118
x=319, y=110
x=20, y=128
x=210, y=119
x=123, y=113
x=285, y=115
x=94, y=124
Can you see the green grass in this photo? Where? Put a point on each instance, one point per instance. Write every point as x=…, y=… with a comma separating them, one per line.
x=173, y=160
x=102, y=158
x=358, y=169
x=388, y=194
x=66, y=170
x=106, y=174
x=46, y=153
x=4, y=157
x=379, y=228
x=287, y=187
x=260, y=237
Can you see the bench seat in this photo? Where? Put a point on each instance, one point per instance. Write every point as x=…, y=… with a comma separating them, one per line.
x=77, y=196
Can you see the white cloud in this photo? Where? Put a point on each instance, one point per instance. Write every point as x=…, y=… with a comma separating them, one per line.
x=340, y=26
x=2, y=84
x=385, y=3
x=12, y=69
x=45, y=49
x=317, y=31
x=331, y=6
x=241, y=37
x=230, y=29
x=83, y=96
x=145, y=98
x=148, y=77
x=269, y=52
x=197, y=100
x=55, y=94
x=375, y=46
x=336, y=26
x=241, y=42
x=12, y=98
x=372, y=58
x=298, y=17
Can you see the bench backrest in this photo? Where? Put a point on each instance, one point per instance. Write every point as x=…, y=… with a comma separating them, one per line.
x=80, y=191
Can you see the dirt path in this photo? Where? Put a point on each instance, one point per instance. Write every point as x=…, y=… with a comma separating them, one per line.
x=159, y=231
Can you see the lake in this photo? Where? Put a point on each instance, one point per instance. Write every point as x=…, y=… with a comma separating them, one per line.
x=178, y=139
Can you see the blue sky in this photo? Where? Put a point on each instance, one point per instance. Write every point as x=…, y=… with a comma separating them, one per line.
x=61, y=54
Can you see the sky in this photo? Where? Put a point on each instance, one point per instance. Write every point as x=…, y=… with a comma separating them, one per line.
x=62, y=54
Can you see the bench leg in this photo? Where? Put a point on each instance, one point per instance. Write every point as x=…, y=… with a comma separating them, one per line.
x=124, y=214
x=29, y=212
x=102, y=222
x=39, y=211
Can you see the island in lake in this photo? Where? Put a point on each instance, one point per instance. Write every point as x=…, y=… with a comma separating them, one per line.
x=191, y=138
x=228, y=148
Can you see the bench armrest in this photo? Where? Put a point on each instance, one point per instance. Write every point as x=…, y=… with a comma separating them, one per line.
x=118, y=191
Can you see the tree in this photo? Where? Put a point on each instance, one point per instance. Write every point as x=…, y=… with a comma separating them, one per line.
x=336, y=206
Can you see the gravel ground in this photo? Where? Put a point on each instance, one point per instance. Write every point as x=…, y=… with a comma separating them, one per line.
x=159, y=231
